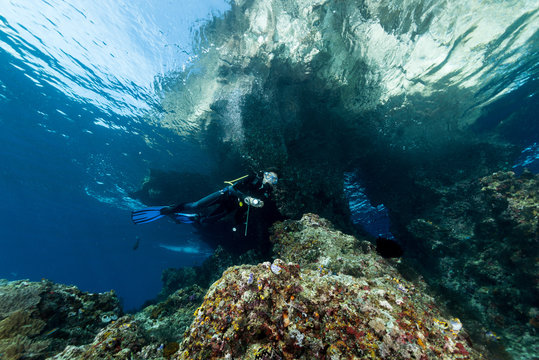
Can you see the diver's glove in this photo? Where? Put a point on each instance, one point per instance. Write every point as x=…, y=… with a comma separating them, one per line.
x=254, y=202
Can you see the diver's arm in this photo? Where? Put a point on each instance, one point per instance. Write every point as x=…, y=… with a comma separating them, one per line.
x=236, y=193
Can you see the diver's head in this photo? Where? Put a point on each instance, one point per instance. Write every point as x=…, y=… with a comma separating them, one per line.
x=270, y=177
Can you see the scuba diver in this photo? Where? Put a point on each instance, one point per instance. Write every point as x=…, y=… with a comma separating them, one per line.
x=241, y=194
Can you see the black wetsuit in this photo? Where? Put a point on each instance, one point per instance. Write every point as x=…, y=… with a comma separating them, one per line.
x=222, y=203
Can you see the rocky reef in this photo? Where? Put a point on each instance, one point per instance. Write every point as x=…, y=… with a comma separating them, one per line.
x=327, y=295
x=38, y=319
x=304, y=307
x=165, y=320
x=119, y=340
x=207, y=273
x=479, y=245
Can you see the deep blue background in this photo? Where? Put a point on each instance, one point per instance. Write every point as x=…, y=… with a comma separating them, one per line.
x=50, y=227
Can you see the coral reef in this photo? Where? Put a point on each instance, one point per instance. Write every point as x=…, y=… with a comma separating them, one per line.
x=479, y=245
x=313, y=243
x=119, y=340
x=166, y=320
x=38, y=319
x=204, y=275
x=291, y=308
x=152, y=333
x=283, y=310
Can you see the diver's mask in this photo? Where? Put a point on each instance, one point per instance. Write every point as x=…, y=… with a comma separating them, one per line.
x=270, y=178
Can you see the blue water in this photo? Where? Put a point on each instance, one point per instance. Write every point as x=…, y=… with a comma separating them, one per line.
x=372, y=218
x=71, y=144
x=78, y=82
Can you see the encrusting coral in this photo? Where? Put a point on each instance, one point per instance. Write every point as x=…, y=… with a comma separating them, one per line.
x=479, y=244
x=38, y=319
x=284, y=310
x=166, y=319
x=120, y=340
x=312, y=243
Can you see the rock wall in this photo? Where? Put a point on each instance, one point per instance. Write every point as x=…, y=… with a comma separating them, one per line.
x=479, y=245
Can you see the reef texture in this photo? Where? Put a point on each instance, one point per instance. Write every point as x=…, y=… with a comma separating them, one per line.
x=205, y=274
x=166, y=320
x=281, y=310
x=120, y=340
x=152, y=333
x=38, y=319
x=313, y=244
x=284, y=310
x=479, y=245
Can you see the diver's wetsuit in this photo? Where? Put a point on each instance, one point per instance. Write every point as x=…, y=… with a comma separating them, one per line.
x=219, y=204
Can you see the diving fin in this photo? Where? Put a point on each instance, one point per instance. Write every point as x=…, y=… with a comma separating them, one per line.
x=147, y=215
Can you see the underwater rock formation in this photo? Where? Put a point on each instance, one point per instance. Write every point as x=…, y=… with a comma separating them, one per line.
x=314, y=244
x=479, y=245
x=204, y=275
x=152, y=333
x=38, y=319
x=166, y=319
x=290, y=310
x=119, y=340
x=284, y=310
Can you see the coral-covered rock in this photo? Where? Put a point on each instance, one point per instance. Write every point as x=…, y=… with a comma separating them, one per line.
x=355, y=306
x=284, y=310
x=479, y=245
x=38, y=319
x=120, y=340
x=313, y=243
x=206, y=273
x=515, y=200
x=303, y=314
x=166, y=321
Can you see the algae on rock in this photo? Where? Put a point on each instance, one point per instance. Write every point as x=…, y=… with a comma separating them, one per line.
x=38, y=319
x=313, y=243
x=298, y=310
x=480, y=243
